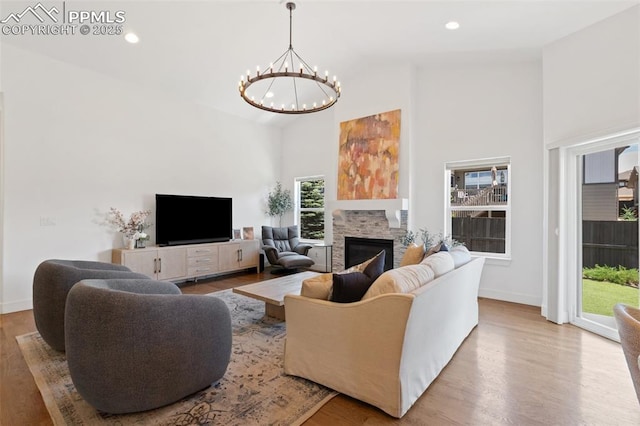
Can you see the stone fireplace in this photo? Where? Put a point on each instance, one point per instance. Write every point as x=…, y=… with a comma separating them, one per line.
x=373, y=224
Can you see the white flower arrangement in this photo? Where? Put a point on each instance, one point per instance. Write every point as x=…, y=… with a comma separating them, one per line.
x=140, y=236
x=132, y=228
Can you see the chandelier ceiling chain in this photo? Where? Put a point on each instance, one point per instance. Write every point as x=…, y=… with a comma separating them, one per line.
x=281, y=71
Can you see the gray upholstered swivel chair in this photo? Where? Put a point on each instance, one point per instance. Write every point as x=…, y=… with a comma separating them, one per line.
x=283, y=248
x=136, y=345
x=52, y=281
x=628, y=320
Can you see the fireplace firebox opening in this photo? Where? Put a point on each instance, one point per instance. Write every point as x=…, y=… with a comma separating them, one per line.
x=357, y=250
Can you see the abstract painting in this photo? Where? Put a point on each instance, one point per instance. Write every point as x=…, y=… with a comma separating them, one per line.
x=368, y=165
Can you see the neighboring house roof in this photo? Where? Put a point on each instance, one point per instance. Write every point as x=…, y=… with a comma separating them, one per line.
x=630, y=179
x=628, y=176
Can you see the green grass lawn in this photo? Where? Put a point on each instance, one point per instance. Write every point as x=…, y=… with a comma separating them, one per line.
x=598, y=297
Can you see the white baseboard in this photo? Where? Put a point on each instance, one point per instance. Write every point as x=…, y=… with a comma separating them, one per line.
x=20, y=305
x=510, y=297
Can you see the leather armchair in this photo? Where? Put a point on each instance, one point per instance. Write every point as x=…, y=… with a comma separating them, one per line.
x=283, y=248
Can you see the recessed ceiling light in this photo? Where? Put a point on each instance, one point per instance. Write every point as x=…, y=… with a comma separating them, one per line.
x=452, y=25
x=132, y=37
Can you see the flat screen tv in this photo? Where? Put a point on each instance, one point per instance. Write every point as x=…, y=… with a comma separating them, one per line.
x=188, y=219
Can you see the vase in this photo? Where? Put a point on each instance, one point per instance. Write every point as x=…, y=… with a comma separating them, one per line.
x=129, y=243
x=140, y=243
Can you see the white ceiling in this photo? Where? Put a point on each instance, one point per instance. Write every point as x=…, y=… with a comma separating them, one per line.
x=197, y=50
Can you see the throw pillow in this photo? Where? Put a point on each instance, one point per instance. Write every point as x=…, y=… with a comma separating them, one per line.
x=375, y=268
x=317, y=287
x=350, y=287
x=441, y=263
x=413, y=255
x=460, y=255
x=436, y=249
x=361, y=266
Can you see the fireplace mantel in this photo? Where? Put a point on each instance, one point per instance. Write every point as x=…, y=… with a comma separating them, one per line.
x=392, y=208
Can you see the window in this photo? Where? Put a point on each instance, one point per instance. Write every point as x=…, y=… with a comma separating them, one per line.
x=310, y=207
x=478, y=211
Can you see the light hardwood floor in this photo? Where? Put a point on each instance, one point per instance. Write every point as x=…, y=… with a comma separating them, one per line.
x=515, y=368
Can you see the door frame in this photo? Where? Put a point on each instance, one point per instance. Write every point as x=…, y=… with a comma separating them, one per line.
x=571, y=224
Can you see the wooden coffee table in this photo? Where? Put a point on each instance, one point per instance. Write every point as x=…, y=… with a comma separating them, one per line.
x=272, y=292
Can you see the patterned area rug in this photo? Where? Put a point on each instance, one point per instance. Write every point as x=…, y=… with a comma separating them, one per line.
x=253, y=391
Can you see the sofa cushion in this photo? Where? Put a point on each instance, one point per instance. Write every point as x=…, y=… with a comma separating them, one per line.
x=413, y=255
x=317, y=287
x=440, y=263
x=460, y=255
x=400, y=280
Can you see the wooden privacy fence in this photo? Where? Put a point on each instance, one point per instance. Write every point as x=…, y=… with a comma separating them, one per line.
x=610, y=243
x=485, y=234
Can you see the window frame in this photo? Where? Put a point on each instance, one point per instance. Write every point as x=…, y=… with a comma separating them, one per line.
x=299, y=209
x=452, y=166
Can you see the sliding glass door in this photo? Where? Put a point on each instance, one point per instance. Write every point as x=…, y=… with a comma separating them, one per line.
x=606, y=234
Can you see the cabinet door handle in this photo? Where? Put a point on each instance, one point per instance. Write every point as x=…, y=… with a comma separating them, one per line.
x=155, y=266
x=240, y=255
x=160, y=265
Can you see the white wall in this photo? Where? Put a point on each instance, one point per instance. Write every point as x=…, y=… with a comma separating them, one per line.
x=472, y=111
x=592, y=80
x=310, y=144
x=591, y=89
x=380, y=89
x=307, y=149
x=457, y=112
x=78, y=142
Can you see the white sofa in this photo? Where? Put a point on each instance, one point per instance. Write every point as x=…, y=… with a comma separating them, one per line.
x=385, y=350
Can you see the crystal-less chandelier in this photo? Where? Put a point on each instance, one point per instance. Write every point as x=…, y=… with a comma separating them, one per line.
x=285, y=90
